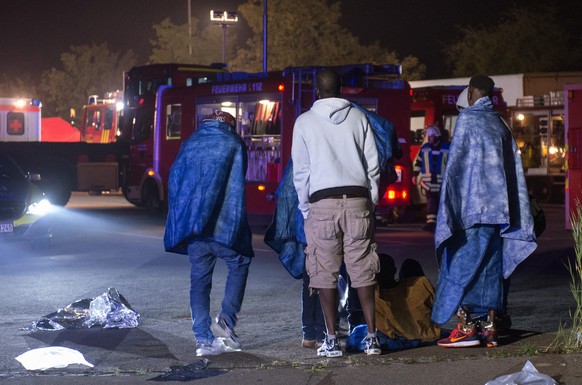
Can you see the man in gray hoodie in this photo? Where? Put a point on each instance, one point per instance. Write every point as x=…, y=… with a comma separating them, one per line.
x=336, y=175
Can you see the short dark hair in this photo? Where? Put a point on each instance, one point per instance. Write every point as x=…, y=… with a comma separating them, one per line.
x=329, y=83
x=483, y=83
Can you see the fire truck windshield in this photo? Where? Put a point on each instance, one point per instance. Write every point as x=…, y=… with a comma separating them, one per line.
x=258, y=123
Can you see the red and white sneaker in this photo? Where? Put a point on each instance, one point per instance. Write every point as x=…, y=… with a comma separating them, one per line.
x=460, y=338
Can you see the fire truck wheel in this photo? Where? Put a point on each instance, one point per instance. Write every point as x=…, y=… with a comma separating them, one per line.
x=152, y=199
x=541, y=189
x=59, y=194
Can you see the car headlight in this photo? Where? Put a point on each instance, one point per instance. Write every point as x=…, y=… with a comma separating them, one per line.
x=40, y=208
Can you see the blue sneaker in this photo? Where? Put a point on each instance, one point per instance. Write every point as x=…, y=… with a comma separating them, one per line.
x=372, y=346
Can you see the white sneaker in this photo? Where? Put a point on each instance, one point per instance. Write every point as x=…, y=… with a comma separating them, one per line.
x=220, y=329
x=204, y=348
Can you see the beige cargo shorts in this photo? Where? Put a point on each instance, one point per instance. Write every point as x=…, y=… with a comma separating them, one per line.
x=336, y=230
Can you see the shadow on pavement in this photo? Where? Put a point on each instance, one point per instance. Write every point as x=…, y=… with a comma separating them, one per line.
x=132, y=341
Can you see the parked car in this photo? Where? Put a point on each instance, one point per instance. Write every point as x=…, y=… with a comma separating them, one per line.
x=23, y=206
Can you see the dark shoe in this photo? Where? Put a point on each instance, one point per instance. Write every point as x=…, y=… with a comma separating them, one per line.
x=372, y=346
x=330, y=348
x=221, y=329
x=502, y=322
x=461, y=338
x=311, y=344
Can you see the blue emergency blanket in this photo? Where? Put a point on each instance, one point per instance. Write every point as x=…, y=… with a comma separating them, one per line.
x=207, y=197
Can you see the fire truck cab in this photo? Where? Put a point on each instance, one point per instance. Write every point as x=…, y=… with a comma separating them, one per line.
x=100, y=119
x=265, y=106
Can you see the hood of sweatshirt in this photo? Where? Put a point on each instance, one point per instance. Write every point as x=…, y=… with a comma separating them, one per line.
x=335, y=110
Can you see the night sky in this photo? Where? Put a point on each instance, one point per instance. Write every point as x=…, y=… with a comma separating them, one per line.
x=36, y=32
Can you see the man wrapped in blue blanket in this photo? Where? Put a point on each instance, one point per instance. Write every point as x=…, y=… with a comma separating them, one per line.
x=207, y=219
x=484, y=224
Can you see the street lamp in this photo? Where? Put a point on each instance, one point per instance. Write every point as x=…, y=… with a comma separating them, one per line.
x=224, y=19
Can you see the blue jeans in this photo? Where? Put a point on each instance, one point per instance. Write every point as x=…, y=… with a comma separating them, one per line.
x=471, y=272
x=203, y=256
x=313, y=324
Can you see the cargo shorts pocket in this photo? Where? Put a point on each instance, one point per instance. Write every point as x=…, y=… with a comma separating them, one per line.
x=322, y=225
x=310, y=261
x=359, y=225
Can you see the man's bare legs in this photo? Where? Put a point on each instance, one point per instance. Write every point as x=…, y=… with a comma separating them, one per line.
x=366, y=296
x=328, y=300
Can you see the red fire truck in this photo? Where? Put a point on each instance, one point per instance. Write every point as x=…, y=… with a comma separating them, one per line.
x=573, y=119
x=265, y=106
x=63, y=166
x=438, y=105
x=99, y=122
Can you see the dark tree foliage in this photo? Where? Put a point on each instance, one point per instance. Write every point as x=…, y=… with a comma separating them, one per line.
x=532, y=39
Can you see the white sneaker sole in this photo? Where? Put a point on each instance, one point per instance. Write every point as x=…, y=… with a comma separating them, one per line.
x=330, y=354
x=462, y=344
x=371, y=352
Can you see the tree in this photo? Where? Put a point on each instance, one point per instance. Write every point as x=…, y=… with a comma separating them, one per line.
x=20, y=87
x=171, y=43
x=525, y=40
x=87, y=70
x=308, y=33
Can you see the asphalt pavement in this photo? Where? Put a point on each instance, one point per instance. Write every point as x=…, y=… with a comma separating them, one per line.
x=160, y=349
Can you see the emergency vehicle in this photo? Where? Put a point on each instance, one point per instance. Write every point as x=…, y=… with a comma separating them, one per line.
x=538, y=127
x=63, y=166
x=100, y=118
x=20, y=120
x=265, y=106
x=573, y=135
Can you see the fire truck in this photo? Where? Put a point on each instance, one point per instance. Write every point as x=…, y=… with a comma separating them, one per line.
x=165, y=104
x=63, y=166
x=573, y=120
x=100, y=119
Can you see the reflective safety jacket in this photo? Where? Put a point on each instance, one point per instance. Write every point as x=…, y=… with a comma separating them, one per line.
x=430, y=166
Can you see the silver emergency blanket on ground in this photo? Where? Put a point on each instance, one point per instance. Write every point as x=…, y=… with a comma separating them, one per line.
x=109, y=310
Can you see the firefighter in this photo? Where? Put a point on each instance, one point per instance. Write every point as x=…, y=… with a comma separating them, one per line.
x=429, y=168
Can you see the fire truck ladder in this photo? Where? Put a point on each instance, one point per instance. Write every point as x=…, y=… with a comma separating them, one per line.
x=353, y=75
x=303, y=91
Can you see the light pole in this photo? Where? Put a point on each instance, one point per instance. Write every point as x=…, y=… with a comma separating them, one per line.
x=224, y=19
x=190, y=27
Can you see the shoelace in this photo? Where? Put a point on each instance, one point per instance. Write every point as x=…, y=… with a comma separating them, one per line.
x=457, y=333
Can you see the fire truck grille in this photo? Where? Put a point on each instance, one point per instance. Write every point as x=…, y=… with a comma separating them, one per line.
x=11, y=210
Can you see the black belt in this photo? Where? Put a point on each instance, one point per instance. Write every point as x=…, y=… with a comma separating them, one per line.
x=340, y=193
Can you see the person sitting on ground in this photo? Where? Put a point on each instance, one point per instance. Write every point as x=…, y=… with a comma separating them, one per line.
x=403, y=307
